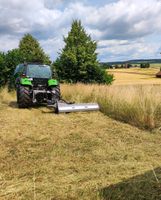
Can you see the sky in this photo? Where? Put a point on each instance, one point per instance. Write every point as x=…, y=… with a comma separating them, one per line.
x=123, y=29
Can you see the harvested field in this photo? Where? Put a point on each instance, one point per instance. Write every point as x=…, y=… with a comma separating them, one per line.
x=135, y=76
x=75, y=156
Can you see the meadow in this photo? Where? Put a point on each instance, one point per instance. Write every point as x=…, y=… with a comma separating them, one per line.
x=109, y=155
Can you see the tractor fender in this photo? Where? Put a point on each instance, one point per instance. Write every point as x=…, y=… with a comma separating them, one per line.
x=52, y=82
x=25, y=82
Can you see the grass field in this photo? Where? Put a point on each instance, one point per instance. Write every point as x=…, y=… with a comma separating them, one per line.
x=138, y=105
x=136, y=76
x=88, y=156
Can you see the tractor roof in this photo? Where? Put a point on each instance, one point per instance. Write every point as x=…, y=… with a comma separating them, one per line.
x=33, y=63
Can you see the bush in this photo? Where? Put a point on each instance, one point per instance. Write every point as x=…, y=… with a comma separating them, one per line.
x=144, y=65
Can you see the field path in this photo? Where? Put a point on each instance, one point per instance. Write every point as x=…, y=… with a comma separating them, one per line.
x=71, y=156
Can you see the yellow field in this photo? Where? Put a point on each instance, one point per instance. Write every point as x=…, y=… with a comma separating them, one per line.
x=135, y=76
x=86, y=156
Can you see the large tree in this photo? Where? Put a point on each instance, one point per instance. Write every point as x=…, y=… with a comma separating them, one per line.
x=31, y=50
x=8, y=62
x=12, y=59
x=3, y=69
x=77, y=61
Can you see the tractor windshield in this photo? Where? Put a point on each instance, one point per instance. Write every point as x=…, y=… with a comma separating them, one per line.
x=39, y=71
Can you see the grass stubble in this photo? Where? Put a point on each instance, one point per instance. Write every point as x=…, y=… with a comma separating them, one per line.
x=83, y=155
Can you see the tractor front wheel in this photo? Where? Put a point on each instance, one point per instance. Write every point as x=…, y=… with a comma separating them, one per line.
x=23, y=97
x=56, y=92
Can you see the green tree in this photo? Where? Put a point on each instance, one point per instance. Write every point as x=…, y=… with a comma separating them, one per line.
x=31, y=51
x=3, y=70
x=12, y=59
x=77, y=61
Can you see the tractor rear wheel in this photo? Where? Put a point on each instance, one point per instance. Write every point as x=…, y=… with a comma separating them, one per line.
x=23, y=97
x=17, y=94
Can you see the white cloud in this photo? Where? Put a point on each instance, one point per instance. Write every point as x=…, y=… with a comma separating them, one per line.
x=52, y=46
x=123, y=49
x=8, y=42
x=119, y=25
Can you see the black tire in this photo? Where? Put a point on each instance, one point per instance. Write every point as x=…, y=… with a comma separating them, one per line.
x=17, y=94
x=56, y=92
x=23, y=97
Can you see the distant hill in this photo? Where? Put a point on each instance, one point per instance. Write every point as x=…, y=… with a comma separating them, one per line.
x=133, y=62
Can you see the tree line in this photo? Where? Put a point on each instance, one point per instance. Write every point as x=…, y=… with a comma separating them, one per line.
x=124, y=66
x=76, y=62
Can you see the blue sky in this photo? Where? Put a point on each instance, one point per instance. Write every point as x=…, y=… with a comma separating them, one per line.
x=123, y=29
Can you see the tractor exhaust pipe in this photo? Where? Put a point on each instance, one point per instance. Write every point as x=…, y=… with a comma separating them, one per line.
x=81, y=107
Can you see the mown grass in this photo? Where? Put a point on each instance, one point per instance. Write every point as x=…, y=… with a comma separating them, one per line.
x=76, y=156
x=138, y=105
x=136, y=76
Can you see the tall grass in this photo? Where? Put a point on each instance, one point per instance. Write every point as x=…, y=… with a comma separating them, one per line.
x=138, y=105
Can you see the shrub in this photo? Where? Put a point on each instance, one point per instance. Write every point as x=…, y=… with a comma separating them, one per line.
x=144, y=65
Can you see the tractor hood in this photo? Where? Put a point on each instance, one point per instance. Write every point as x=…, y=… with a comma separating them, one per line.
x=35, y=81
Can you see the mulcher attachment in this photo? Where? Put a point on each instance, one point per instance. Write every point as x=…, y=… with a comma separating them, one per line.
x=63, y=106
x=82, y=107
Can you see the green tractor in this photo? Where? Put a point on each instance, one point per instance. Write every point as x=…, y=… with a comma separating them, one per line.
x=34, y=85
